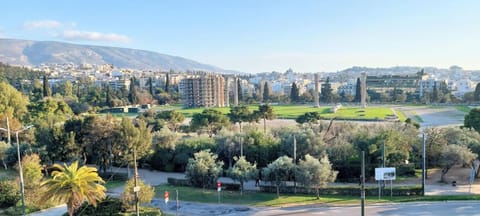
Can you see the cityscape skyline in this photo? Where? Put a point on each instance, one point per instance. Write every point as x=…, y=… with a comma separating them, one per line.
x=260, y=36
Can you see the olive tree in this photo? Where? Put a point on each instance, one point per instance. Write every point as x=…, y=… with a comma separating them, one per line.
x=316, y=173
x=454, y=155
x=203, y=170
x=279, y=171
x=242, y=171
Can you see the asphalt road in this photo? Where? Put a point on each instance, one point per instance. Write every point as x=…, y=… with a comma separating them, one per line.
x=451, y=208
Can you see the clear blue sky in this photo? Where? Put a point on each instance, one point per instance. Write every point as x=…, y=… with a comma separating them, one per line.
x=264, y=35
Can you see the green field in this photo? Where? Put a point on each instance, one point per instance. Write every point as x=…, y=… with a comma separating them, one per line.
x=270, y=199
x=293, y=111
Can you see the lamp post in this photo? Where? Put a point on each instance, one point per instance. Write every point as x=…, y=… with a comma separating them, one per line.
x=20, y=168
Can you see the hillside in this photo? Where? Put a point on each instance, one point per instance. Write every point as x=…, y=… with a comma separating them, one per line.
x=25, y=52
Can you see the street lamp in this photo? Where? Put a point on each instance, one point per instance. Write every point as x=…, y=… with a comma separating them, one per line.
x=22, y=185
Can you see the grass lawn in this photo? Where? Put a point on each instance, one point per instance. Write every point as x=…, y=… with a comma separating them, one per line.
x=9, y=173
x=293, y=111
x=270, y=199
x=464, y=109
x=114, y=184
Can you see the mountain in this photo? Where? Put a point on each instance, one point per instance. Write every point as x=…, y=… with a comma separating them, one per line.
x=26, y=52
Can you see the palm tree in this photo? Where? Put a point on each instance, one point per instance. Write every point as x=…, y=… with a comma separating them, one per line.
x=74, y=185
x=266, y=112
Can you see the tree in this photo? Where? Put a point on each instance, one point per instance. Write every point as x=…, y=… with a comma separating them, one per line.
x=242, y=171
x=308, y=117
x=145, y=195
x=172, y=118
x=454, y=155
x=476, y=93
x=315, y=173
x=358, y=91
x=47, y=92
x=239, y=114
x=239, y=89
x=266, y=92
x=167, y=82
x=266, y=112
x=279, y=171
x=327, y=94
x=435, y=93
x=3, y=150
x=74, y=185
x=13, y=104
x=133, y=94
x=203, y=170
x=150, y=86
x=294, y=93
x=133, y=138
x=32, y=170
x=472, y=119
x=209, y=119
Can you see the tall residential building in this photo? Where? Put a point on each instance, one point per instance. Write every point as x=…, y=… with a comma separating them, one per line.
x=206, y=90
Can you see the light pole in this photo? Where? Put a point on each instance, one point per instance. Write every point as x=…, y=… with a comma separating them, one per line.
x=20, y=168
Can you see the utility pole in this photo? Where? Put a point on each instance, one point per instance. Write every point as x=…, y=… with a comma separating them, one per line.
x=135, y=176
x=423, y=163
x=362, y=192
x=295, y=163
x=8, y=132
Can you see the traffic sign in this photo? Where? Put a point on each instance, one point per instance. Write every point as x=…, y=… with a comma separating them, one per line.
x=166, y=196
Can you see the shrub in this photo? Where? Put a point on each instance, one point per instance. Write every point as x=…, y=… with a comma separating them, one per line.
x=144, y=212
x=145, y=195
x=108, y=207
x=113, y=176
x=9, y=193
x=17, y=210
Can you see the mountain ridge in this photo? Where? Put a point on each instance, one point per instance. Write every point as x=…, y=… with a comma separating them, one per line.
x=29, y=52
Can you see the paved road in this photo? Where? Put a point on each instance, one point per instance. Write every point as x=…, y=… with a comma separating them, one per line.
x=414, y=209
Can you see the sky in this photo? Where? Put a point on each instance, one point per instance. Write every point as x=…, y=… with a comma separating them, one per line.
x=264, y=35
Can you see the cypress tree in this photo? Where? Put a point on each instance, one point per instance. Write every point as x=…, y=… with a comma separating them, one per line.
x=358, y=91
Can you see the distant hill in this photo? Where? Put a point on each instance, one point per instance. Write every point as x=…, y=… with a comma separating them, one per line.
x=26, y=52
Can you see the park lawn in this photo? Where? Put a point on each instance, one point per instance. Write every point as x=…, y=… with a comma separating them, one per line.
x=191, y=194
x=114, y=184
x=464, y=109
x=293, y=111
x=9, y=173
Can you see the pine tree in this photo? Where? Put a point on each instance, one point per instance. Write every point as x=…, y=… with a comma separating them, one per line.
x=132, y=95
x=240, y=91
x=294, y=94
x=327, y=91
x=47, y=92
x=150, y=81
x=266, y=92
x=358, y=91
x=476, y=94
x=167, y=82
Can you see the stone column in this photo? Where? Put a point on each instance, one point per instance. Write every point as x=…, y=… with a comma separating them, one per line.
x=235, y=91
x=315, y=96
x=364, y=90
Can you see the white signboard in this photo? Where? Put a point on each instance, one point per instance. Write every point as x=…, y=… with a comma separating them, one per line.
x=387, y=173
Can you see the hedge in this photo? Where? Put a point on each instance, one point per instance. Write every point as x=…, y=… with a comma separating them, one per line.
x=347, y=191
x=185, y=182
x=113, y=176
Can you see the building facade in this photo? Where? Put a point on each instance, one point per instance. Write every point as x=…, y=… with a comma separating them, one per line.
x=205, y=90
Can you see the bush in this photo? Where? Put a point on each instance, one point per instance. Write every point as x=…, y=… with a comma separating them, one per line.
x=109, y=206
x=406, y=170
x=17, y=210
x=346, y=191
x=113, y=176
x=9, y=193
x=144, y=212
x=178, y=182
x=145, y=195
